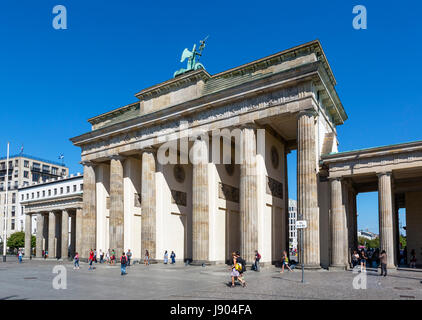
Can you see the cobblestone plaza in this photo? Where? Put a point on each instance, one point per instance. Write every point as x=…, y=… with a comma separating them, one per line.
x=33, y=280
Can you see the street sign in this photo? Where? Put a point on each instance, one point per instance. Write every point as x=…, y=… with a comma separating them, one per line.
x=301, y=224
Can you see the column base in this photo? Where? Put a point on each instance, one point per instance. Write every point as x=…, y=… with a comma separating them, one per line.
x=310, y=266
x=338, y=267
x=202, y=262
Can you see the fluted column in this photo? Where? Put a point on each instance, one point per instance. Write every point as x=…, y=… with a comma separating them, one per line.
x=148, y=203
x=385, y=204
x=339, y=244
x=65, y=235
x=51, y=234
x=39, y=236
x=248, y=195
x=200, y=203
x=116, y=222
x=28, y=235
x=86, y=221
x=307, y=188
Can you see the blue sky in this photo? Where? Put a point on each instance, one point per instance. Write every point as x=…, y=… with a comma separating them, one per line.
x=52, y=81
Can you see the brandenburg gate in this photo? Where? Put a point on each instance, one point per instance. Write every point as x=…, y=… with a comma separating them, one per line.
x=204, y=210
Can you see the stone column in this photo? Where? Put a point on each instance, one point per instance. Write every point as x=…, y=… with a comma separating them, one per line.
x=116, y=226
x=39, y=236
x=148, y=204
x=51, y=234
x=386, y=216
x=338, y=227
x=86, y=223
x=65, y=235
x=73, y=235
x=28, y=235
x=200, y=202
x=248, y=195
x=79, y=246
x=355, y=222
x=307, y=188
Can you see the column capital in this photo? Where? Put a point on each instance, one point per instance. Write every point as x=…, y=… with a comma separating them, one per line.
x=309, y=112
x=117, y=157
x=248, y=125
x=149, y=149
x=383, y=173
x=87, y=163
x=331, y=179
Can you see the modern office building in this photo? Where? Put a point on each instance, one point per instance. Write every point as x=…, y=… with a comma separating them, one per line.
x=292, y=224
x=23, y=171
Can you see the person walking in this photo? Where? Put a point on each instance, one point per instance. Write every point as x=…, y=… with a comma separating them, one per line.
x=234, y=269
x=95, y=255
x=129, y=257
x=242, y=269
x=363, y=259
x=101, y=256
x=256, y=266
x=166, y=257
x=113, y=257
x=146, y=258
x=285, y=262
x=108, y=256
x=20, y=256
x=412, y=259
x=76, y=261
x=383, y=261
x=91, y=259
x=355, y=259
x=123, y=263
x=173, y=257
x=45, y=254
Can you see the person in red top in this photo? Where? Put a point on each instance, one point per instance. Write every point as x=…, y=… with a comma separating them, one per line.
x=91, y=259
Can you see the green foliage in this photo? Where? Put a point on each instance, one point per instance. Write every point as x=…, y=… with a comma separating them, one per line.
x=17, y=240
x=403, y=241
x=375, y=243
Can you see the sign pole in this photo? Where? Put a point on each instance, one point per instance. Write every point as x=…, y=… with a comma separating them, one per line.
x=301, y=224
x=6, y=206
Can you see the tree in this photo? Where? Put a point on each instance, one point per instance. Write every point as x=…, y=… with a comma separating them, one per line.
x=17, y=240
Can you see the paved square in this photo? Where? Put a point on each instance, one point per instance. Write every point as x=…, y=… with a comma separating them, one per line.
x=33, y=280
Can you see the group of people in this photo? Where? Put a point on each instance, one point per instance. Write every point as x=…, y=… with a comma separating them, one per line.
x=370, y=257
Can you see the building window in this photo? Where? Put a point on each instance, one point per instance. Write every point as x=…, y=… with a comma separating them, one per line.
x=32, y=195
x=38, y=194
x=27, y=196
x=13, y=211
x=54, y=170
x=43, y=193
x=55, y=191
x=26, y=174
x=26, y=164
x=68, y=189
x=35, y=177
x=61, y=190
x=49, y=192
x=13, y=224
x=74, y=188
x=82, y=186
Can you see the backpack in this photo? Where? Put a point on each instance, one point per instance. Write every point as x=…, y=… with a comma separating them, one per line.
x=259, y=256
x=243, y=264
x=123, y=260
x=238, y=267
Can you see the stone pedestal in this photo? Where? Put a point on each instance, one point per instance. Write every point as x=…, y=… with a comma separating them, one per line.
x=51, y=235
x=307, y=188
x=86, y=220
x=39, y=236
x=148, y=204
x=386, y=216
x=116, y=226
x=200, y=203
x=338, y=227
x=28, y=234
x=248, y=195
x=65, y=235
